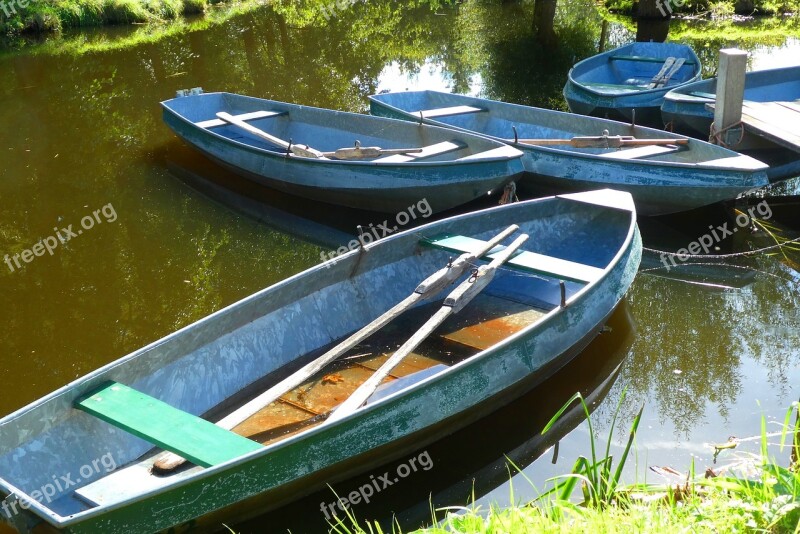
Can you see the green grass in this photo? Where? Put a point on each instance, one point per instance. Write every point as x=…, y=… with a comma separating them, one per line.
x=763, y=497
x=54, y=15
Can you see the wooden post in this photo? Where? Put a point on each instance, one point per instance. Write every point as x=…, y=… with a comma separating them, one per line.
x=730, y=93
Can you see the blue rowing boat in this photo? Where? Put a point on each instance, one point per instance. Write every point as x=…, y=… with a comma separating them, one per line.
x=685, y=107
x=632, y=78
x=662, y=178
x=535, y=313
x=342, y=158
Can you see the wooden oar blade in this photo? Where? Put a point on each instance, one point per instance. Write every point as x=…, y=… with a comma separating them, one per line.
x=368, y=152
x=469, y=289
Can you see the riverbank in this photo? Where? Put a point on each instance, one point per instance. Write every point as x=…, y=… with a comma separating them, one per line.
x=745, y=492
x=52, y=16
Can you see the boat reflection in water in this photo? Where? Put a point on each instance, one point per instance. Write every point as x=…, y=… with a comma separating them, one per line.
x=471, y=461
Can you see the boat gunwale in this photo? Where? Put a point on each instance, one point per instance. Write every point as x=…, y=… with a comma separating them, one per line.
x=365, y=163
x=60, y=521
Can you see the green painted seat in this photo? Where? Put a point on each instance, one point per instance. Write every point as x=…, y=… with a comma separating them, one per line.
x=195, y=439
x=525, y=260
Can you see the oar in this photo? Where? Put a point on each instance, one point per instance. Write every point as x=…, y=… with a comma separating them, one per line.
x=428, y=288
x=600, y=141
x=454, y=303
x=297, y=150
x=367, y=152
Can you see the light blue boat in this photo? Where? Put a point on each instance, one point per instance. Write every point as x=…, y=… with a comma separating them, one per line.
x=685, y=107
x=632, y=78
x=448, y=169
x=533, y=317
x=662, y=179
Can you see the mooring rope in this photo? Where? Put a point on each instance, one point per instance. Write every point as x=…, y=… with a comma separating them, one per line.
x=724, y=256
x=715, y=136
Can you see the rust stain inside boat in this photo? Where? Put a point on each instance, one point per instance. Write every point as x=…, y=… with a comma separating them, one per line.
x=487, y=321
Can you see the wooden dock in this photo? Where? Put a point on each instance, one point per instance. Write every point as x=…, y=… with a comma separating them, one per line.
x=778, y=122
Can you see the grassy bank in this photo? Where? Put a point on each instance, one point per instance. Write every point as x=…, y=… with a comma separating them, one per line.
x=32, y=16
x=752, y=493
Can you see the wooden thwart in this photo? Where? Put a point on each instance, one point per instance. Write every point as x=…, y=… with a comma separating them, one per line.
x=640, y=152
x=455, y=302
x=155, y=421
x=255, y=115
x=645, y=59
x=528, y=261
x=426, y=152
x=447, y=112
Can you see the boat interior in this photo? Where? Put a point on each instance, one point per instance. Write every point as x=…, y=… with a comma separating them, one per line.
x=509, y=122
x=326, y=131
x=638, y=67
x=135, y=404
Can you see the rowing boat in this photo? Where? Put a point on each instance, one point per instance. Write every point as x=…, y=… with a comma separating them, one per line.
x=104, y=431
x=629, y=83
x=665, y=173
x=341, y=158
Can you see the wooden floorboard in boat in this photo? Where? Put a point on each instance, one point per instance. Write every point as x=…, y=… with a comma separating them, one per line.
x=486, y=321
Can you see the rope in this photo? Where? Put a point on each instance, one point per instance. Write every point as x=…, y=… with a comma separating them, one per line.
x=724, y=256
x=715, y=136
x=651, y=269
x=509, y=194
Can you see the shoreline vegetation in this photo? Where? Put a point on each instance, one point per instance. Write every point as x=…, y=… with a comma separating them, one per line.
x=36, y=17
x=752, y=492
x=53, y=16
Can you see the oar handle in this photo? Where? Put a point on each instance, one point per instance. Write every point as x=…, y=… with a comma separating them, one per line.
x=467, y=290
x=645, y=142
x=446, y=276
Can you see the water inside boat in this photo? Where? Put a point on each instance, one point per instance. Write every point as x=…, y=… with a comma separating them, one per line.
x=490, y=318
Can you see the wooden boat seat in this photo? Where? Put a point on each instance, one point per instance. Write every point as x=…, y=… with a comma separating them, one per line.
x=155, y=421
x=447, y=112
x=640, y=152
x=526, y=261
x=645, y=59
x=255, y=115
x=504, y=151
x=427, y=152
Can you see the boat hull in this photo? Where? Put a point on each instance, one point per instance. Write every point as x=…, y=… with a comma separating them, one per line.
x=436, y=406
x=657, y=190
x=388, y=188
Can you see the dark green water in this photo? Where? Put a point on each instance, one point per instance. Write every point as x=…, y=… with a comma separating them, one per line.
x=83, y=133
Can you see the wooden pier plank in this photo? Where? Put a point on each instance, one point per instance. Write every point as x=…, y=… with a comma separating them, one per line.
x=774, y=121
